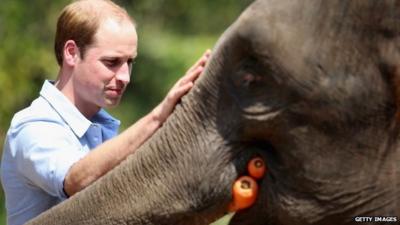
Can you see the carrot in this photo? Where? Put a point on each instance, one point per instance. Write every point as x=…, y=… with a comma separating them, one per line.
x=245, y=190
x=256, y=168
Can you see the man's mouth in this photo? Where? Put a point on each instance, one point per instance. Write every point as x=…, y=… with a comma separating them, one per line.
x=114, y=92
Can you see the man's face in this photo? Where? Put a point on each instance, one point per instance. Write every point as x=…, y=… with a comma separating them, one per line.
x=101, y=76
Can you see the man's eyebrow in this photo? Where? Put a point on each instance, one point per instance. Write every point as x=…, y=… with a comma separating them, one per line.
x=114, y=57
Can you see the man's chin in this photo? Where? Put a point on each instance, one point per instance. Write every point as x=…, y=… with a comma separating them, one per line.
x=111, y=103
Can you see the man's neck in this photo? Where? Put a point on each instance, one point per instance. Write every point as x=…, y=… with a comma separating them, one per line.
x=65, y=85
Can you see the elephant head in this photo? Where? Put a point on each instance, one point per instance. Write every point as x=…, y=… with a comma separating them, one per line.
x=309, y=85
x=318, y=82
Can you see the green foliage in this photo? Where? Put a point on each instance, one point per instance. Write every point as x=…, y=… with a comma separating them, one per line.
x=26, y=57
x=172, y=35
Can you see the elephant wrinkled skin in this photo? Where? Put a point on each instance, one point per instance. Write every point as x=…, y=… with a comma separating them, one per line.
x=312, y=87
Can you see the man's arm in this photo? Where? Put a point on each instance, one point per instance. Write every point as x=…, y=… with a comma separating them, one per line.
x=109, y=154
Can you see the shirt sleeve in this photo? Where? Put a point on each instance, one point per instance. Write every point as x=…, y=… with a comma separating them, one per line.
x=44, y=153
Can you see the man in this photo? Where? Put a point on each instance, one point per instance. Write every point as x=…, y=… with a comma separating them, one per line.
x=65, y=140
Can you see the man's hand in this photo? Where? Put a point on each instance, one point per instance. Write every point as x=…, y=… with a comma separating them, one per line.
x=181, y=87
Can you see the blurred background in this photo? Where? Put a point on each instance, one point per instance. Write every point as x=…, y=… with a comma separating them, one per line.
x=172, y=36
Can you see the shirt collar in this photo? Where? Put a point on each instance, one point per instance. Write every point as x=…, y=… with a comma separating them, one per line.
x=70, y=114
x=106, y=120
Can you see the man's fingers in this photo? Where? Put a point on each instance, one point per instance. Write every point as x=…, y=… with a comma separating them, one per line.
x=181, y=87
x=202, y=61
x=191, y=76
x=193, y=73
x=182, y=90
x=178, y=92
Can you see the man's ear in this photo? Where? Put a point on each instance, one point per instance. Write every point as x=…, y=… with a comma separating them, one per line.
x=71, y=53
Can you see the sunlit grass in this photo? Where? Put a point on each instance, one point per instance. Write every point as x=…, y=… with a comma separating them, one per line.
x=224, y=220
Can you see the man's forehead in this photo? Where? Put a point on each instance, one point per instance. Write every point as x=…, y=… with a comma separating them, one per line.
x=115, y=39
x=115, y=31
x=112, y=24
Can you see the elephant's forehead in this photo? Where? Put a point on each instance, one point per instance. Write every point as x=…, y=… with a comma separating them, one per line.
x=279, y=29
x=276, y=21
x=297, y=33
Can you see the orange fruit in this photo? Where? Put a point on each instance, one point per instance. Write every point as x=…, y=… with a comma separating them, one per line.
x=245, y=190
x=256, y=168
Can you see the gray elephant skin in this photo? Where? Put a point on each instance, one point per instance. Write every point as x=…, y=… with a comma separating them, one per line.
x=312, y=86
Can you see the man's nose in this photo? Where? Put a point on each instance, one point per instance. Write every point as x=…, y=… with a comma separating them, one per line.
x=124, y=73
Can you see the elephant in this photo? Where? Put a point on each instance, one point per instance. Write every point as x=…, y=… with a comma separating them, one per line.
x=312, y=87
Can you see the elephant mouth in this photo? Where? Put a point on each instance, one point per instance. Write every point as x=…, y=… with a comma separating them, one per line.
x=262, y=109
x=261, y=207
x=264, y=115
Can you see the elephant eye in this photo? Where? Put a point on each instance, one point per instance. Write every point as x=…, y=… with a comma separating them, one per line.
x=259, y=86
x=249, y=77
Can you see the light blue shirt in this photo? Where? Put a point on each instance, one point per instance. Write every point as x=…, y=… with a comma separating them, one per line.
x=42, y=143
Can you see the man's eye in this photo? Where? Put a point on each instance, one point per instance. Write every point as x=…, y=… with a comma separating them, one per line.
x=111, y=62
x=131, y=62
